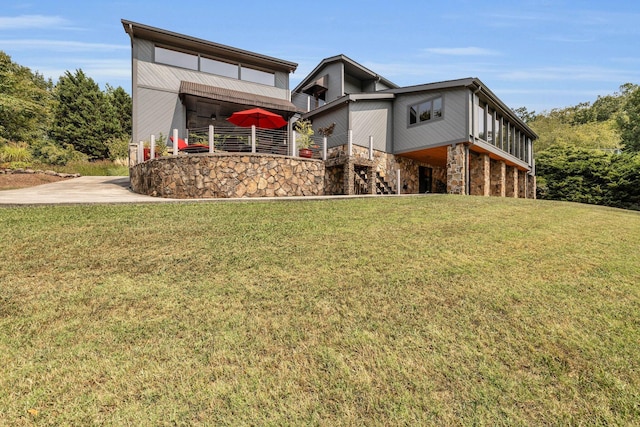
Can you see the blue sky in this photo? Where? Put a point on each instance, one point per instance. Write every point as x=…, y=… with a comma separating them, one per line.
x=538, y=54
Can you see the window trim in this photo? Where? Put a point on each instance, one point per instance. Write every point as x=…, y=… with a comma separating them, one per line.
x=432, y=118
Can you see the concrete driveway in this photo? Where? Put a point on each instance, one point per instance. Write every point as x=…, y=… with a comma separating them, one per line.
x=82, y=190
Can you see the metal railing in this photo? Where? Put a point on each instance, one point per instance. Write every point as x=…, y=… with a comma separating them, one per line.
x=233, y=139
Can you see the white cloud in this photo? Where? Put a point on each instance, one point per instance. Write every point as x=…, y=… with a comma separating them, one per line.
x=62, y=45
x=31, y=22
x=462, y=51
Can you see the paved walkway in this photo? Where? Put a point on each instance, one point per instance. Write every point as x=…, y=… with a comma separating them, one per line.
x=109, y=189
x=86, y=189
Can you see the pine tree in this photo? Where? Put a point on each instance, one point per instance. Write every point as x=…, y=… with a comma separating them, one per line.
x=83, y=117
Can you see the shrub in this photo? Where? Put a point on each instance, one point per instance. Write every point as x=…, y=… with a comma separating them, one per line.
x=15, y=152
x=52, y=154
x=118, y=148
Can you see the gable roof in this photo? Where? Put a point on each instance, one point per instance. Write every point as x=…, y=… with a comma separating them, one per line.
x=351, y=67
x=147, y=32
x=475, y=85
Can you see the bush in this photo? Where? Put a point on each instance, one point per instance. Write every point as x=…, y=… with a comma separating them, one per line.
x=118, y=148
x=15, y=152
x=52, y=154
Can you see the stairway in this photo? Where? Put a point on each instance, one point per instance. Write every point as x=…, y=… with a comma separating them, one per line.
x=382, y=186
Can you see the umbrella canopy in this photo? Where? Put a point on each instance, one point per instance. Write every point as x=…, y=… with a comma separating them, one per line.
x=258, y=117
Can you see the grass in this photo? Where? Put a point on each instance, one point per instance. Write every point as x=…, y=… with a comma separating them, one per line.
x=437, y=310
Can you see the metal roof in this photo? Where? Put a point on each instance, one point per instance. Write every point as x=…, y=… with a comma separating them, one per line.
x=236, y=97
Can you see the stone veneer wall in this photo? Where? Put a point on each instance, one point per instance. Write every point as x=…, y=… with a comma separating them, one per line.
x=386, y=165
x=456, y=169
x=228, y=175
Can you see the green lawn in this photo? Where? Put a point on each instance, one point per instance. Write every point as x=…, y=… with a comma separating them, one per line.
x=437, y=310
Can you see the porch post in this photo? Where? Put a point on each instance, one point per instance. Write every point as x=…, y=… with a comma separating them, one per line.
x=399, y=186
x=370, y=147
x=152, y=150
x=293, y=142
x=253, y=139
x=175, y=142
x=350, y=143
x=211, y=139
x=140, y=154
x=324, y=148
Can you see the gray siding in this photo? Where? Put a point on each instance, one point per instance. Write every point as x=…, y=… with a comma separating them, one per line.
x=336, y=87
x=282, y=80
x=352, y=85
x=372, y=118
x=143, y=50
x=340, y=117
x=162, y=112
x=453, y=127
x=166, y=77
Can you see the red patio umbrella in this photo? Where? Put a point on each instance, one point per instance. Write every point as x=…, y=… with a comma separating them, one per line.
x=258, y=117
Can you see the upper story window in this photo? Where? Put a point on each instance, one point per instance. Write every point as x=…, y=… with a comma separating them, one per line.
x=220, y=68
x=195, y=62
x=175, y=58
x=425, y=111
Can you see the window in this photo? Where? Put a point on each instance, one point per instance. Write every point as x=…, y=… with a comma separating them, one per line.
x=425, y=111
x=257, y=76
x=218, y=67
x=175, y=58
x=481, y=117
x=196, y=62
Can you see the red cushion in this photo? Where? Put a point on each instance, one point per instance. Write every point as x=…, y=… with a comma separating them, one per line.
x=181, y=143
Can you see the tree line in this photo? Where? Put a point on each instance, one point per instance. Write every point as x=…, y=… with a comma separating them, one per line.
x=590, y=152
x=72, y=119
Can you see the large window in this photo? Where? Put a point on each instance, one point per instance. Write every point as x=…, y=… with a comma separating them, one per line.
x=481, y=117
x=175, y=58
x=218, y=67
x=425, y=111
x=192, y=61
x=257, y=76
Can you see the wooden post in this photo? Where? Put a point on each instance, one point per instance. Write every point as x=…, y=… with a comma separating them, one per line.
x=350, y=143
x=398, y=182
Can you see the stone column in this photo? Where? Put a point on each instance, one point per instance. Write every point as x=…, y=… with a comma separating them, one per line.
x=503, y=179
x=456, y=169
x=348, y=177
x=515, y=182
x=486, y=170
x=372, y=179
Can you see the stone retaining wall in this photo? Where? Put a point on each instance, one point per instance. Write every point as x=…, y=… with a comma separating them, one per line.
x=35, y=171
x=222, y=175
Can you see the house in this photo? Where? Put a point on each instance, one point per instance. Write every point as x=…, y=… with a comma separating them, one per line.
x=454, y=136
x=182, y=82
x=372, y=136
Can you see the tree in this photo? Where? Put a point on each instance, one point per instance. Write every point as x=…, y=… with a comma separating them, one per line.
x=121, y=102
x=524, y=114
x=25, y=102
x=629, y=121
x=83, y=117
